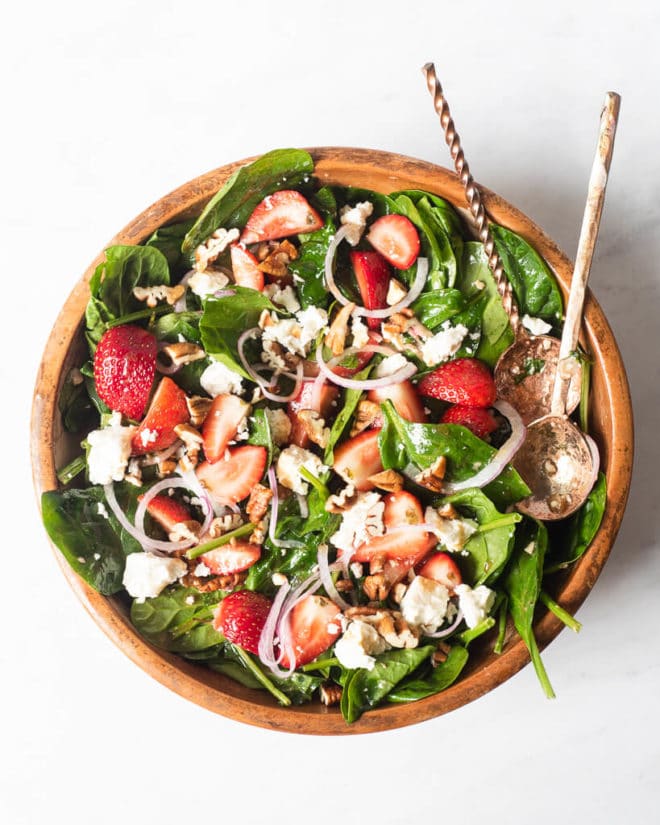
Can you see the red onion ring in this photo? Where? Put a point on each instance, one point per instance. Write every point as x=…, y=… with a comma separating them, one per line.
x=316, y=394
x=440, y=634
x=303, y=506
x=272, y=522
x=366, y=383
x=254, y=375
x=326, y=578
x=267, y=638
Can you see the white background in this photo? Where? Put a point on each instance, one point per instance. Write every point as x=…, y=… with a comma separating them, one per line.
x=108, y=106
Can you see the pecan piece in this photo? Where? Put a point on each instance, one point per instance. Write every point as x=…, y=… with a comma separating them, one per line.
x=330, y=694
x=367, y=413
x=314, y=426
x=388, y=480
x=433, y=476
x=276, y=263
x=375, y=587
x=198, y=408
x=336, y=335
x=257, y=506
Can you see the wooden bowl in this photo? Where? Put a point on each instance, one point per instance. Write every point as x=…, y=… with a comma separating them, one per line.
x=611, y=423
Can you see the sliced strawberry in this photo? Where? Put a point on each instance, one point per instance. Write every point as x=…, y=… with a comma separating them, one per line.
x=314, y=626
x=396, y=238
x=361, y=359
x=246, y=268
x=232, y=557
x=167, y=409
x=232, y=479
x=124, y=369
x=241, y=617
x=373, y=278
x=305, y=401
x=221, y=424
x=465, y=381
x=167, y=511
x=402, y=508
x=441, y=568
x=405, y=399
x=279, y=215
x=398, y=544
x=477, y=419
x=358, y=458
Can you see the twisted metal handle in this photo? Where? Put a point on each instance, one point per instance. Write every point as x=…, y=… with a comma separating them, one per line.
x=472, y=194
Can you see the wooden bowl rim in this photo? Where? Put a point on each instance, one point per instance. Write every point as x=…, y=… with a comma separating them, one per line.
x=339, y=164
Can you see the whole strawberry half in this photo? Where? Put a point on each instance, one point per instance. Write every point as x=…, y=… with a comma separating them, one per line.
x=241, y=617
x=124, y=369
x=477, y=419
x=466, y=381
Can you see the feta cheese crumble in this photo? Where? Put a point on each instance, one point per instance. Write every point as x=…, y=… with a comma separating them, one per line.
x=452, y=533
x=204, y=284
x=147, y=575
x=395, y=292
x=289, y=464
x=279, y=425
x=284, y=297
x=359, y=644
x=425, y=604
x=360, y=332
x=390, y=365
x=354, y=218
x=360, y=522
x=296, y=335
x=218, y=379
x=110, y=449
x=475, y=604
x=537, y=326
x=445, y=343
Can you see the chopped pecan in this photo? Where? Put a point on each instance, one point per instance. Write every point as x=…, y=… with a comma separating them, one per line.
x=198, y=408
x=212, y=248
x=433, y=476
x=375, y=587
x=367, y=413
x=161, y=292
x=314, y=426
x=336, y=335
x=395, y=629
x=224, y=524
x=189, y=435
x=210, y=585
x=398, y=592
x=388, y=480
x=441, y=653
x=258, y=535
x=330, y=694
x=183, y=352
x=276, y=263
x=185, y=531
x=257, y=506
x=166, y=467
x=344, y=585
x=377, y=563
x=360, y=612
x=395, y=292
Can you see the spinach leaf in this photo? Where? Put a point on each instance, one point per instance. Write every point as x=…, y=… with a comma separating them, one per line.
x=168, y=240
x=113, y=281
x=234, y=203
x=449, y=256
x=435, y=307
x=76, y=407
x=363, y=689
x=295, y=562
x=579, y=531
x=490, y=547
x=401, y=442
x=444, y=213
x=171, y=622
x=496, y=332
x=309, y=267
x=224, y=320
x=235, y=671
x=440, y=678
x=82, y=526
x=533, y=283
x=522, y=583
x=168, y=327
x=349, y=404
x=260, y=434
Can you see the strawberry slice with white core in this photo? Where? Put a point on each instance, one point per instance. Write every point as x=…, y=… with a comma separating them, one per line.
x=397, y=240
x=398, y=544
x=231, y=558
x=402, y=508
x=279, y=215
x=358, y=458
x=167, y=511
x=405, y=399
x=373, y=279
x=314, y=626
x=441, y=568
x=167, y=409
x=246, y=268
x=221, y=425
x=232, y=479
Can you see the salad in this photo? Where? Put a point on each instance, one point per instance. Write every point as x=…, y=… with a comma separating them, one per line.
x=294, y=466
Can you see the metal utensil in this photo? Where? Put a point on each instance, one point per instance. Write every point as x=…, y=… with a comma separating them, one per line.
x=528, y=390
x=557, y=460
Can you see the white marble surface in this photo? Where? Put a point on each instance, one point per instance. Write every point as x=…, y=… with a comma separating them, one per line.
x=107, y=107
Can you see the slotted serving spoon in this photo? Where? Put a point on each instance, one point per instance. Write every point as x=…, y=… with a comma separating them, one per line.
x=528, y=390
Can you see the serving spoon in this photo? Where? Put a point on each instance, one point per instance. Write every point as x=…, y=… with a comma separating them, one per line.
x=528, y=390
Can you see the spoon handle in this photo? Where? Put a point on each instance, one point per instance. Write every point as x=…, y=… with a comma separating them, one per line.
x=586, y=245
x=472, y=194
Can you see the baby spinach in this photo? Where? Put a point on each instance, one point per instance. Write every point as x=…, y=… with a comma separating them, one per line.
x=248, y=186
x=168, y=240
x=349, y=404
x=490, y=547
x=179, y=620
x=573, y=539
x=82, y=526
x=364, y=689
x=435, y=245
x=170, y=326
x=260, y=434
x=309, y=267
x=438, y=679
x=522, y=584
x=534, y=285
x=76, y=407
x=435, y=307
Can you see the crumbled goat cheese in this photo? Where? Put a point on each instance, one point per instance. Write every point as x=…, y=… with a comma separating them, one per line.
x=475, y=604
x=284, y=297
x=147, y=575
x=202, y=570
x=537, y=326
x=204, y=284
x=242, y=430
x=218, y=379
x=445, y=343
x=451, y=532
x=359, y=644
x=354, y=218
x=295, y=335
x=360, y=522
x=395, y=292
x=425, y=604
x=312, y=320
x=279, y=425
x=289, y=464
x=148, y=436
x=390, y=365
x=110, y=449
x=214, y=246
x=101, y=510
x=360, y=332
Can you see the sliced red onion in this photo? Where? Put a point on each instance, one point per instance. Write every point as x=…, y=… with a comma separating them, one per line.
x=224, y=293
x=413, y=293
x=317, y=391
x=267, y=637
x=440, y=634
x=326, y=578
x=366, y=383
x=272, y=522
x=139, y=535
x=168, y=484
x=501, y=458
x=309, y=586
x=254, y=375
